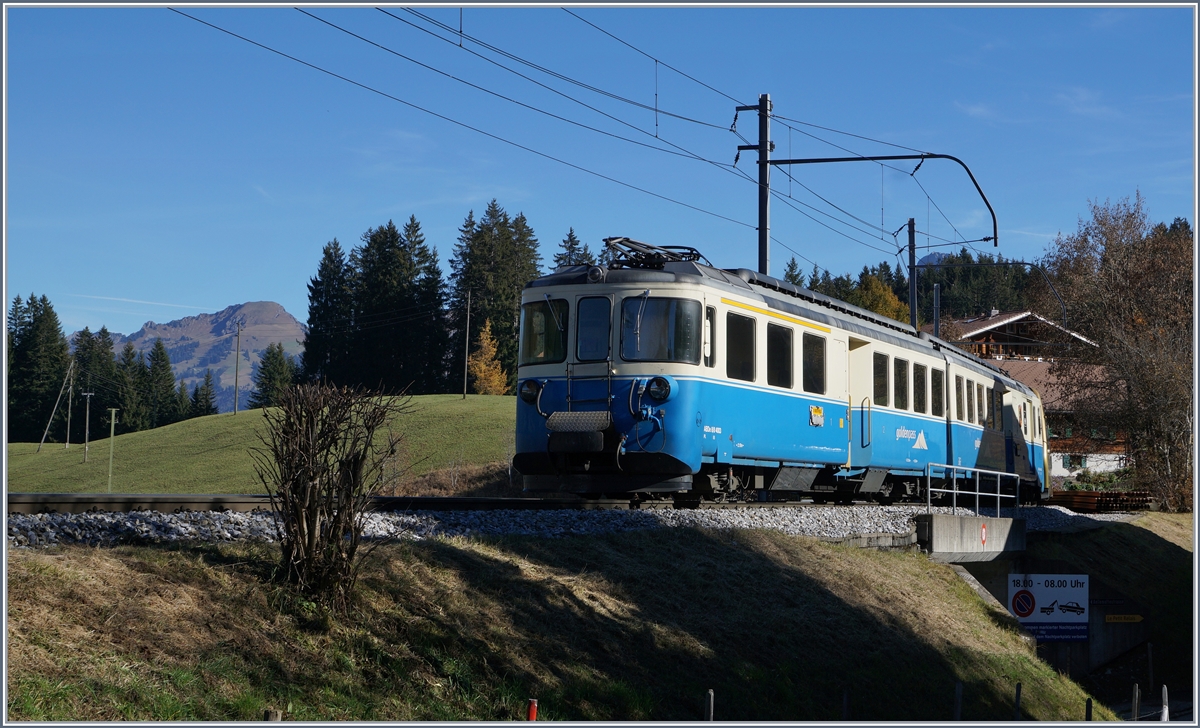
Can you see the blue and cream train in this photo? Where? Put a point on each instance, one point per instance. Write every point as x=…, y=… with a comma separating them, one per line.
x=660, y=374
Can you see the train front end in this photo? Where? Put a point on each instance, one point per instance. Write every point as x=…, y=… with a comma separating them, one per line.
x=607, y=395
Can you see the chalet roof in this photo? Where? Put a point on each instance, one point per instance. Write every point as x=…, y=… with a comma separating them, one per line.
x=973, y=327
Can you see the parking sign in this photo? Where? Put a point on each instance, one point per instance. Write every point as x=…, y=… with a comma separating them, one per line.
x=1052, y=607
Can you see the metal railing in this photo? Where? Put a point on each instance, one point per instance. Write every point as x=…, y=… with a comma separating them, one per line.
x=954, y=470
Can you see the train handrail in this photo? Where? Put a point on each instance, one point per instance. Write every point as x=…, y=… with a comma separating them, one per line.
x=954, y=470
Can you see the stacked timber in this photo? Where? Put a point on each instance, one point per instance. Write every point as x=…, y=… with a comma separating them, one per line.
x=1100, y=501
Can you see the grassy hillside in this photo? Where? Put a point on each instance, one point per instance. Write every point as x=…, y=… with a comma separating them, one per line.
x=212, y=454
x=632, y=626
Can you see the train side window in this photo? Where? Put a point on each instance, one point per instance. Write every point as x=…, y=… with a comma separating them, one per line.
x=710, y=337
x=990, y=420
x=881, y=379
x=999, y=408
x=970, y=401
x=779, y=356
x=814, y=364
x=936, y=400
x=1025, y=418
x=979, y=403
x=595, y=329
x=958, y=398
x=739, y=347
x=1037, y=425
x=900, y=384
x=919, y=388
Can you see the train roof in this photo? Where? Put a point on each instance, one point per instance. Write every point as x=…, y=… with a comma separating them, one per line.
x=776, y=294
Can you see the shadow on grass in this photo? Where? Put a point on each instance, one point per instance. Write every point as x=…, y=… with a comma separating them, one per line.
x=771, y=642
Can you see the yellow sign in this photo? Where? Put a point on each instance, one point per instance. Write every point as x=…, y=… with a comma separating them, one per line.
x=1123, y=618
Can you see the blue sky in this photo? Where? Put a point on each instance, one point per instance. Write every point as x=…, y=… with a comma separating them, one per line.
x=157, y=168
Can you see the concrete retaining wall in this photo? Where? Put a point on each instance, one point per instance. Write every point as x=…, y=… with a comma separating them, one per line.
x=957, y=539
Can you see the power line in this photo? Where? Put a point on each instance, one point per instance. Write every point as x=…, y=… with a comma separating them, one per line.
x=494, y=93
x=462, y=124
x=556, y=74
x=656, y=60
x=553, y=90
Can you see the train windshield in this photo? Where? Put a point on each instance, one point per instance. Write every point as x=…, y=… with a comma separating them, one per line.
x=544, y=331
x=661, y=329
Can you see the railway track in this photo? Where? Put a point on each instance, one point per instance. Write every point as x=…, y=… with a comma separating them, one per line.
x=31, y=503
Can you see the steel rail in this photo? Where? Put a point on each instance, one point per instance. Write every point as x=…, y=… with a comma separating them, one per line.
x=34, y=503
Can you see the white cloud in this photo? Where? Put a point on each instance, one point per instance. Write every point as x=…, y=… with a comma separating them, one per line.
x=152, y=303
x=1082, y=101
x=979, y=111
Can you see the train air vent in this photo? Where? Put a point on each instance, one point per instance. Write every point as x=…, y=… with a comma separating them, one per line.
x=579, y=421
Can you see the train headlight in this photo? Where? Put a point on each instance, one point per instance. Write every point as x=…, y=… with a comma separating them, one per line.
x=659, y=388
x=596, y=274
x=529, y=391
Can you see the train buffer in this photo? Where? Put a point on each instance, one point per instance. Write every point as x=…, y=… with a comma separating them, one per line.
x=956, y=539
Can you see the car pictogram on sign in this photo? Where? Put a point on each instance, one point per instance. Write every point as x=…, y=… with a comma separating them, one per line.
x=1023, y=603
x=1071, y=607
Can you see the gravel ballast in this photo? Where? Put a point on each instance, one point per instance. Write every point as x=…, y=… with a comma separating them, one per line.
x=831, y=522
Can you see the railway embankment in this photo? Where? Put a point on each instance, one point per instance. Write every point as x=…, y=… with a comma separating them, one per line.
x=633, y=624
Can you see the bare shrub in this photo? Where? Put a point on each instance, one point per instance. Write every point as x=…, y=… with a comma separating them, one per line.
x=321, y=461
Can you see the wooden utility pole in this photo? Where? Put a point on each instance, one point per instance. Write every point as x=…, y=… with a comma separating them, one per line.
x=70, y=369
x=87, y=421
x=70, y=403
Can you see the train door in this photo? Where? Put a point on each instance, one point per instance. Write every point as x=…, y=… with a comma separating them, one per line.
x=860, y=384
x=589, y=371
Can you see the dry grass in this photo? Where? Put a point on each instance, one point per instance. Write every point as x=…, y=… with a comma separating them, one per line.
x=633, y=626
x=495, y=479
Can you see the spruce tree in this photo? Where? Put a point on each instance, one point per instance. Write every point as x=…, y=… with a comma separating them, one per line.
x=131, y=398
x=573, y=252
x=204, y=397
x=792, y=273
x=431, y=339
x=183, y=402
x=275, y=373
x=330, y=318
x=38, y=362
x=160, y=387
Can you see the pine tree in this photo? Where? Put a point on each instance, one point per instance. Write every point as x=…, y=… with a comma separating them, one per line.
x=95, y=372
x=487, y=375
x=276, y=372
x=183, y=402
x=792, y=273
x=38, y=362
x=160, y=387
x=573, y=252
x=431, y=340
x=204, y=397
x=330, y=318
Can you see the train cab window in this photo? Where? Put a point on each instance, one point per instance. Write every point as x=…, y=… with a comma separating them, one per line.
x=779, y=356
x=970, y=401
x=936, y=391
x=739, y=347
x=958, y=398
x=595, y=329
x=710, y=337
x=881, y=379
x=543, y=332
x=979, y=403
x=919, y=388
x=660, y=329
x=814, y=364
x=900, y=384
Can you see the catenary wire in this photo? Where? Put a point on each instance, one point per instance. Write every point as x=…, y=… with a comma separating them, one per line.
x=462, y=124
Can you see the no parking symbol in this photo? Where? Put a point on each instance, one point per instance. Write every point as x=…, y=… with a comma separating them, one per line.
x=1023, y=603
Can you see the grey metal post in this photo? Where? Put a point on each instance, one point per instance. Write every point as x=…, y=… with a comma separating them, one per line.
x=1166, y=715
x=977, y=511
x=112, y=434
x=1134, y=707
x=937, y=310
x=237, y=359
x=1087, y=711
x=87, y=421
x=912, y=272
x=958, y=700
x=708, y=705
x=1017, y=704
x=466, y=343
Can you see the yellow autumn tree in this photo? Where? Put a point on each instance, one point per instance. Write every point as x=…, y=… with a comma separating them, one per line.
x=873, y=295
x=484, y=367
